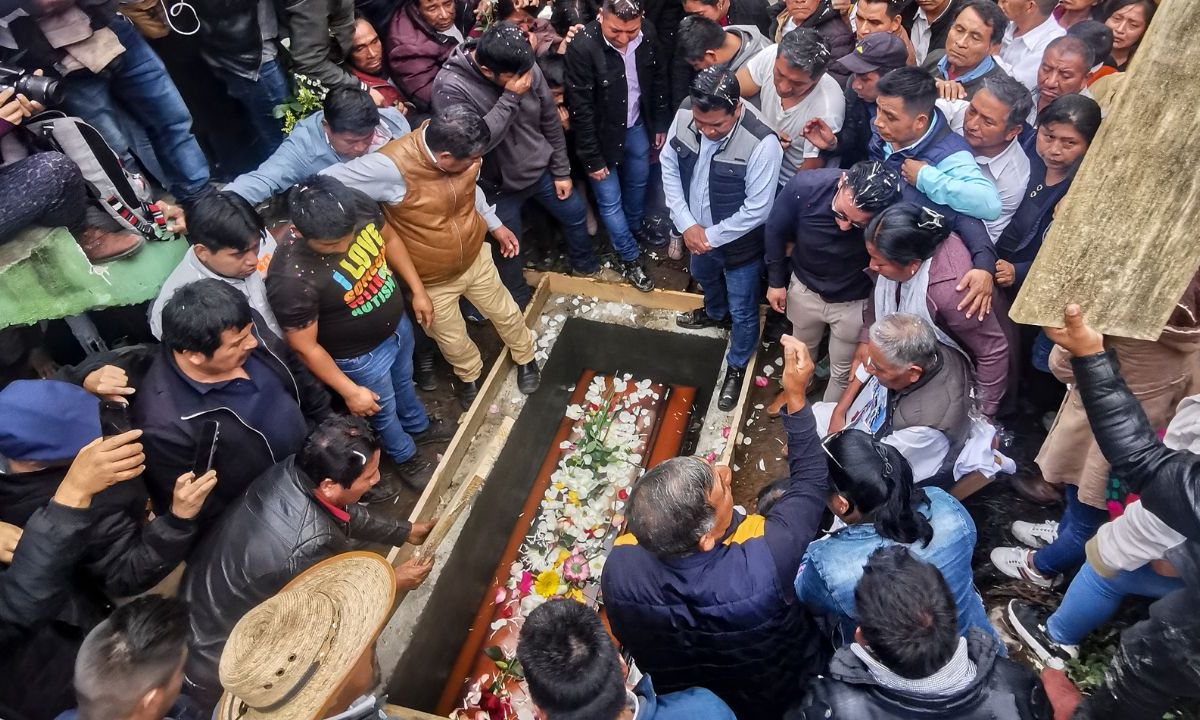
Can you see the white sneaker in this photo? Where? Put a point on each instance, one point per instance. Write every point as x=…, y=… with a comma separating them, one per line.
x=1017, y=563
x=1035, y=535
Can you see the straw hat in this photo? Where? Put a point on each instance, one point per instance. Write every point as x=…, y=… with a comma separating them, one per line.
x=287, y=656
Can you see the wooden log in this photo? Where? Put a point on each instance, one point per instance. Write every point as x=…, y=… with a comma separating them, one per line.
x=1123, y=241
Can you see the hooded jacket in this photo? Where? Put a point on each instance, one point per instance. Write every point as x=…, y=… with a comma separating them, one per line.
x=526, y=135
x=1001, y=690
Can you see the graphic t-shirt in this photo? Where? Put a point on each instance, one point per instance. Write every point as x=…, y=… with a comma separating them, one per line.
x=353, y=296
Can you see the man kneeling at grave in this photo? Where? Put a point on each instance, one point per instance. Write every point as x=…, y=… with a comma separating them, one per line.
x=700, y=593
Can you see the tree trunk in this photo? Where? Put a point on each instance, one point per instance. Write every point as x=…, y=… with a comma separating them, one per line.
x=1124, y=240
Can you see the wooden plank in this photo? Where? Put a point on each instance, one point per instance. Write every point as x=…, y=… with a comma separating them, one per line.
x=970, y=484
x=1123, y=241
x=398, y=713
x=739, y=410
x=623, y=293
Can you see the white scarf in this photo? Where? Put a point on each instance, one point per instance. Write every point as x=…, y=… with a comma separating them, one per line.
x=952, y=678
x=913, y=300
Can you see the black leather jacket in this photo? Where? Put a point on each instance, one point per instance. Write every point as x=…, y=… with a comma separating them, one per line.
x=276, y=531
x=230, y=37
x=1001, y=690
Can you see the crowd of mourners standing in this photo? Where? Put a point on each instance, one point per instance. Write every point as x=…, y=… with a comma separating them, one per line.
x=358, y=181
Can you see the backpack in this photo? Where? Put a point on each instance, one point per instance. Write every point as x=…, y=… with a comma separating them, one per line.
x=124, y=196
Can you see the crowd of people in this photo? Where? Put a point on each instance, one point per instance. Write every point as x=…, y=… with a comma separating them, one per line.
x=358, y=180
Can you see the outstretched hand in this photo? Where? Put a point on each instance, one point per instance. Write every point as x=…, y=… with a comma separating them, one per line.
x=797, y=371
x=1076, y=336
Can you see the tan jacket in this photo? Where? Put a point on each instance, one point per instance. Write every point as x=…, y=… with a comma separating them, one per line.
x=437, y=219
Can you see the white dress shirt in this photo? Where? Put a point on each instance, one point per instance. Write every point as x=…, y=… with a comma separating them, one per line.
x=1023, y=55
x=921, y=35
x=1009, y=172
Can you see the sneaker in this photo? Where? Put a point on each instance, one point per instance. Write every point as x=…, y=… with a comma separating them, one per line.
x=424, y=371
x=1029, y=624
x=414, y=472
x=1035, y=535
x=438, y=431
x=596, y=274
x=1017, y=563
x=636, y=275
x=698, y=319
x=101, y=246
x=650, y=240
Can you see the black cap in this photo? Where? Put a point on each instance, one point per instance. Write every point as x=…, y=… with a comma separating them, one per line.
x=875, y=51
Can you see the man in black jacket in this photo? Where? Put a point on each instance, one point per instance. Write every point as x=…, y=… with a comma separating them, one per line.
x=1156, y=662
x=301, y=511
x=616, y=92
x=213, y=365
x=908, y=660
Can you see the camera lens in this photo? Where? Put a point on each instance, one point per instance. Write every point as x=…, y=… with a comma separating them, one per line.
x=44, y=90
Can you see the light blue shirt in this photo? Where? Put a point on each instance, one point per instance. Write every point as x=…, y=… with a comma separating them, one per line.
x=956, y=182
x=762, y=173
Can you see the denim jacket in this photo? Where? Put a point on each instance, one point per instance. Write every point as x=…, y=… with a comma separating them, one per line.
x=834, y=565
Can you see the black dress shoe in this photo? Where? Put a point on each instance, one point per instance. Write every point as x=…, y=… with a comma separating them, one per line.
x=466, y=392
x=529, y=377
x=651, y=240
x=381, y=492
x=698, y=319
x=633, y=271
x=731, y=388
x=423, y=371
x=415, y=472
x=438, y=431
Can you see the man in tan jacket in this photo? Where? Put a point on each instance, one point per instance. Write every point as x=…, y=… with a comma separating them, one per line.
x=436, y=219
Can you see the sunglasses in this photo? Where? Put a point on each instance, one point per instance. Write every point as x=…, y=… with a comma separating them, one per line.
x=887, y=464
x=841, y=215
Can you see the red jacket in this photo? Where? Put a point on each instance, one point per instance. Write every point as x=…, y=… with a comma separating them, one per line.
x=415, y=53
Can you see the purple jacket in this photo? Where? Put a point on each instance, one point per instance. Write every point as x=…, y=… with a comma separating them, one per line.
x=415, y=51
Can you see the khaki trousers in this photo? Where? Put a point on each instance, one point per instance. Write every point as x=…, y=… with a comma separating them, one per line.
x=809, y=315
x=480, y=284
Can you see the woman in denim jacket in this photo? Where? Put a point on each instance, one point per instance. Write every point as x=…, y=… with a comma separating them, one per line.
x=873, y=495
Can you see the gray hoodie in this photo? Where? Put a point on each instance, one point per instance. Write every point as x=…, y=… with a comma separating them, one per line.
x=527, y=138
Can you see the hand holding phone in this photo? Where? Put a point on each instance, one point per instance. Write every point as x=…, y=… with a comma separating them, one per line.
x=206, y=448
x=114, y=418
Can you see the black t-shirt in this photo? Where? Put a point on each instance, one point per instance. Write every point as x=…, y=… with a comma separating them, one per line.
x=353, y=296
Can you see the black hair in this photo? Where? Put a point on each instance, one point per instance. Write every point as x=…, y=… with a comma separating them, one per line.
x=566, y=14
x=878, y=482
x=1046, y=7
x=768, y=495
x=1073, y=45
x=875, y=186
x=1097, y=35
x=715, y=88
x=220, y=220
x=696, y=36
x=570, y=663
x=504, y=48
x=197, y=313
x=459, y=130
x=506, y=9
x=322, y=208
x=554, y=69
x=805, y=49
x=906, y=613
x=894, y=7
x=350, y=111
x=1149, y=7
x=1011, y=92
x=907, y=232
x=135, y=650
x=915, y=87
x=1078, y=111
x=623, y=9
x=991, y=15
x=338, y=449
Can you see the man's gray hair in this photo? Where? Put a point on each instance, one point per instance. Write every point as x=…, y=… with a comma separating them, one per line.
x=905, y=340
x=1013, y=94
x=668, y=511
x=805, y=49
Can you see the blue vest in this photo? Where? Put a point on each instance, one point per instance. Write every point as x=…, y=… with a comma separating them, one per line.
x=933, y=148
x=726, y=178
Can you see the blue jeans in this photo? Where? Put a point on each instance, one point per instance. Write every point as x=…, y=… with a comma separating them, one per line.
x=1092, y=599
x=572, y=213
x=1079, y=523
x=622, y=195
x=260, y=97
x=731, y=293
x=137, y=82
x=387, y=370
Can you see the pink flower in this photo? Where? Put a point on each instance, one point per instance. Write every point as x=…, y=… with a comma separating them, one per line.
x=501, y=596
x=576, y=569
x=526, y=584
x=725, y=431
x=760, y=381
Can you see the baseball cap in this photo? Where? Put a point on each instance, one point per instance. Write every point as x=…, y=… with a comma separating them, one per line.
x=875, y=51
x=46, y=420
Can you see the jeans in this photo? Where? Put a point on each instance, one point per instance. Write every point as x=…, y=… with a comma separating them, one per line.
x=572, y=213
x=732, y=293
x=387, y=370
x=137, y=82
x=622, y=195
x=1079, y=523
x=260, y=97
x=1092, y=599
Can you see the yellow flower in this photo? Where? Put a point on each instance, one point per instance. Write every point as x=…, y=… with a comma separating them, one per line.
x=573, y=497
x=546, y=584
x=575, y=594
x=563, y=556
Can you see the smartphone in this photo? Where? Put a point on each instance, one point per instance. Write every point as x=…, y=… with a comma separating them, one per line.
x=114, y=418
x=206, y=447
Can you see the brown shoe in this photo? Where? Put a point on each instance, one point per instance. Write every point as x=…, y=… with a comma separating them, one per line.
x=101, y=246
x=1036, y=490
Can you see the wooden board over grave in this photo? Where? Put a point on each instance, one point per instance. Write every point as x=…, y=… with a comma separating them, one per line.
x=1123, y=244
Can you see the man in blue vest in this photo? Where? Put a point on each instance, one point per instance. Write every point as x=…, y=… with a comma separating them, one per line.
x=719, y=171
x=700, y=594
